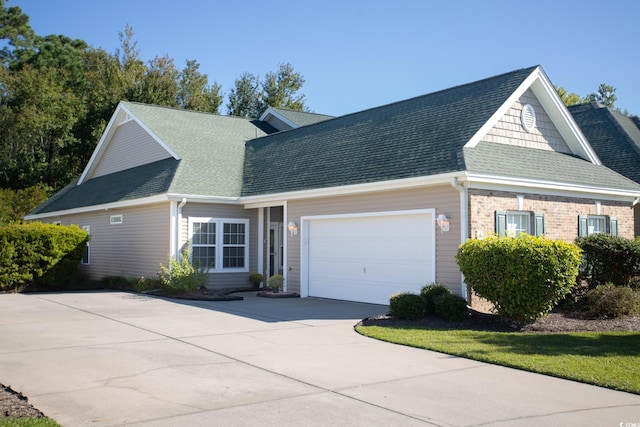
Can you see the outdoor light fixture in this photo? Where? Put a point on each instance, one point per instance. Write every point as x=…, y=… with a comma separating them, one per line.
x=293, y=228
x=443, y=222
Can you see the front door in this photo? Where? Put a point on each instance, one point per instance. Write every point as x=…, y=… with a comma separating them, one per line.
x=275, y=248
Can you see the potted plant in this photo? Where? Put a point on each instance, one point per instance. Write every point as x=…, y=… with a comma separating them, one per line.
x=275, y=282
x=256, y=279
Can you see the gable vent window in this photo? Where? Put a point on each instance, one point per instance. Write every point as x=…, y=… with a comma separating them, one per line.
x=115, y=219
x=528, y=118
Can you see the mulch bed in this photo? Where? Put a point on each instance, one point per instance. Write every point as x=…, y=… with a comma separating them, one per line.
x=15, y=405
x=557, y=321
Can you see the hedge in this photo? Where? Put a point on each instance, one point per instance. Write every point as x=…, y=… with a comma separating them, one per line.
x=609, y=259
x=43, y=253
x=523, y=277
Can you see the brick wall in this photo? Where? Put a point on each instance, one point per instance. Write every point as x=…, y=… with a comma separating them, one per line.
x=561, y=213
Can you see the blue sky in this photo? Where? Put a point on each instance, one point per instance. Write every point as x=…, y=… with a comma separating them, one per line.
x=356, y=55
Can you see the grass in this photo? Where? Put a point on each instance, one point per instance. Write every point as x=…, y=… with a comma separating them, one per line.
x=29, y=422
x=609, y=359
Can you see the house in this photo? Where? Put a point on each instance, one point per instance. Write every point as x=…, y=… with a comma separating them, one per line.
x=615, y=138
x=356, y=207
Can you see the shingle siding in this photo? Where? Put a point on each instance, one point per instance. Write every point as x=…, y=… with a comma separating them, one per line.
x=544, y=136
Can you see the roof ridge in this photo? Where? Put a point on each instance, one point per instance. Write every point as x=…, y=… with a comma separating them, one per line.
x=182, y=110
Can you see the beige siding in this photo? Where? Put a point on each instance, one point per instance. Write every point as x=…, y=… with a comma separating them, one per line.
x=444, y=199
x=202, y=210
x=278, y=124
x=509, y=129
x=131, y=146
x=134, y=248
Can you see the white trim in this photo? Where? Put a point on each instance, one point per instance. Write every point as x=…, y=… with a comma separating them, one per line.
x=285, y=247
x=497, y=182
x=121, y=115
x=88, y=229
x=271, y=112
x=280, y=198
x=107, y=206
x=304, y=236
x=219, y=244
x=116, y=219
x=261, y=240
x=543, y=89
x=464, y=224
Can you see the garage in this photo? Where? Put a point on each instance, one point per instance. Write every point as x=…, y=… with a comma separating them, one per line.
x=369, y=257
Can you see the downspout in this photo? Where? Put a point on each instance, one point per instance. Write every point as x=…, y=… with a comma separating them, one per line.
x=464, y=223
x=177, y=228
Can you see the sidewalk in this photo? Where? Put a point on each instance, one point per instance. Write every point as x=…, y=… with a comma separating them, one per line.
x=112, y=359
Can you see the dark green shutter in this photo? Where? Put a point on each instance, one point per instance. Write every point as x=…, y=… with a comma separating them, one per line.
x=613, y=226
x=538, y=224
x=501, y=223
x=583, y=229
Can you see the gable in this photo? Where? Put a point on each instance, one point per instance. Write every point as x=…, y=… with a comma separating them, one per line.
x=510, y=130
x=130, y=146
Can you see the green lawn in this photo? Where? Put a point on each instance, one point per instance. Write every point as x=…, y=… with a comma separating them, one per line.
x=608, y=359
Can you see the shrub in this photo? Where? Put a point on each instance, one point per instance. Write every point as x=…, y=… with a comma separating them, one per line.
x=609, y=259
x=256, y=279
x=180, y=275
x=118, y=283
x=406, y=306
x=45, y=253
x=451, y=307
x=523, y=277
x=146, y=284
x=612, y=301
x=276, y=281
x=429, y=293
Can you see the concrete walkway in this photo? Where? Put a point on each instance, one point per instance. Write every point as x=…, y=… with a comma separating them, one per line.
x=112, y=359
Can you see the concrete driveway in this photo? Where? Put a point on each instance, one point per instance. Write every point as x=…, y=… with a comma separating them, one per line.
x=115, y=358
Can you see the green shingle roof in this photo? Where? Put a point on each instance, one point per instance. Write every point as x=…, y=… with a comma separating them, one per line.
x=143, y=181
x=211, y=147
x=542, y=165
x=417, y=137
x=302, y=118
x=614, y=137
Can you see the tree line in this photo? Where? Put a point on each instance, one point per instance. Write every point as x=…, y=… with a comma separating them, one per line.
x=57, y=94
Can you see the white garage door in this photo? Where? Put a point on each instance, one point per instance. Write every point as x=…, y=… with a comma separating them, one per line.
x=369, y=258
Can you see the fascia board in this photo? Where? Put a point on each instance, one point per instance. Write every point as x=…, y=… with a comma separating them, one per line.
x=103, y=207
x=495, y=182
x=196, y=198
x=107, y=135
x=271, y=112
x=562, y=118
x=277, y=198
x=500, y=112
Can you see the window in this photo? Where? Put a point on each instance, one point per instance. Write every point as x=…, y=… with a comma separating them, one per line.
x=513, y=223
x=86, y=258
x=219, y=244
x=594, y=224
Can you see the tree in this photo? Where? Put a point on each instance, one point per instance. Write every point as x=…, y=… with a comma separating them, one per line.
x=15, y=28
x=243, y=97
x=159, y=83
x=278, y=89
x=606, y=95
x=194, y=91
x=569, y=99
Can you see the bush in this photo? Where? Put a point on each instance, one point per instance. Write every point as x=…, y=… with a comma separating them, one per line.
x=43, y=253
x=429, y=293
x=609, y=259
x=523, y=277
x=451, y=307
x=276, y=282
x=146, y=284
x=256, y=279
x=612, y=301
x=181, y=276
x=406, y=306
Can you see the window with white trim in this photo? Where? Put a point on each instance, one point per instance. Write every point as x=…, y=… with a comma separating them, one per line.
x=220, y=245
x=514, y=223
x=594, y=224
